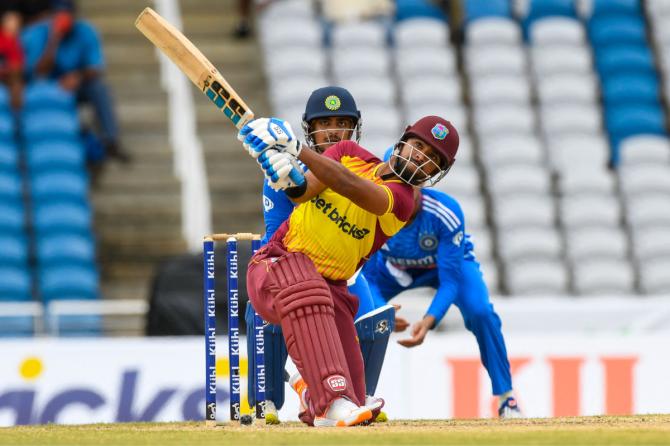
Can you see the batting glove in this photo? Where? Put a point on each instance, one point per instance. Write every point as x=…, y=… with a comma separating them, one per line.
x=279, y=169
x=263, y=133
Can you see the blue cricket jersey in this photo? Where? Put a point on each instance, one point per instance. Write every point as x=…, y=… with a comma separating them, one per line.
x=276, y=209
x=435, y=239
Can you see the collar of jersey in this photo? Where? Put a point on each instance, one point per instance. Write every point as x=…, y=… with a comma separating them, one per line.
x=374, y=173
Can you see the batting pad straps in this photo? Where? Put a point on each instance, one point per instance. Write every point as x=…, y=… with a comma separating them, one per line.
x=307, y=314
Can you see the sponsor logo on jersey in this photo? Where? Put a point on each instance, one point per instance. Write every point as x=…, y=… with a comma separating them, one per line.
x=268, y=204
x=440, y=131
x=428, y=242
x=337, y=383
x=458, y=238
x=335, y=216
x=423, y=262
x=333, y=102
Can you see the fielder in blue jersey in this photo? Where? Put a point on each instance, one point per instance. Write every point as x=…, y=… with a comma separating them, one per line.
x=433, y=250
x=330, y=115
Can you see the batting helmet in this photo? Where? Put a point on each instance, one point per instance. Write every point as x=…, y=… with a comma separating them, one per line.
x=439, y=134
x=330, y=101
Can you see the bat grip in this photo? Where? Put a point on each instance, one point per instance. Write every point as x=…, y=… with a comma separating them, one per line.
x=296, y=175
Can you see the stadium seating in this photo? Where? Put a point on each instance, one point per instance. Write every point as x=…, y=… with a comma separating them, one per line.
x=604, y=277
x=543, y=9
x=654, y=277
x=410, y=9
x=15, y=284
x=68, y=282
x=478, y=9
x=625, y=59
x=556, y=93
x=616, y=31
x=56, y=155
x=420, y=32
x=543, y=277
x=556, y=30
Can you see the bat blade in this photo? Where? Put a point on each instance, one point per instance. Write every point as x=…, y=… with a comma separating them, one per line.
x=195, y=65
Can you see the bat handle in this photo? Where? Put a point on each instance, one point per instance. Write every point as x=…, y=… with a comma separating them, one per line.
x=297, y=176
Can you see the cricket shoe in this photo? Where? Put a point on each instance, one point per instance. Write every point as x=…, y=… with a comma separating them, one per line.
x=375, y=405
x=271, y=413
x=510, y=409
x=342, y=413
x=300, y=386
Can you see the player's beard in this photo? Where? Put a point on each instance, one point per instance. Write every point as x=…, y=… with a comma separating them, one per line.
x=407, y=173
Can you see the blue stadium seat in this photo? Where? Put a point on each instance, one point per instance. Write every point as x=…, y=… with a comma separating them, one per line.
x=11, y=186
x=15, y=284
x=630, y=89
x=50, y=125
x=13, y=250
x=541, y=9
x=62, y=217
x=9, y=156
x=12, y=217
x=616, y=7
x=59, y=185
x=617, y=30
x=7, y=130
x=47, y=95
x=16, y=326
x=56, y=155
x=538, y=9
x=63, y=248
x=68, y=282
x=407, y=9
x=622, y=122
x=478, y=9
x=624, y=59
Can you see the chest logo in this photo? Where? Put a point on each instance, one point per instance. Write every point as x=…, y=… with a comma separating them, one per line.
x=458, y=238
x=428, y=242
x=267, y=204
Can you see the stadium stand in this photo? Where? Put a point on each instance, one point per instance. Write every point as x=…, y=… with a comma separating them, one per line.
x=65, y=254
x=563, y=172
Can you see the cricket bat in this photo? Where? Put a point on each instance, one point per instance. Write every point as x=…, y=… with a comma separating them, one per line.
x=199, y=70
x=195, y=65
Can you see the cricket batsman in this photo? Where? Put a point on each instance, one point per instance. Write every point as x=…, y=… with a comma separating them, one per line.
x=350, y=204
x=330, y=116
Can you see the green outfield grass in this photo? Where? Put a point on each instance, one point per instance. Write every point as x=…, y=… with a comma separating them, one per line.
x=629, y=430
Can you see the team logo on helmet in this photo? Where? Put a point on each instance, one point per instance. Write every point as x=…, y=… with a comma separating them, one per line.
x=333, y=102
x=428, y=242
x=440, y=131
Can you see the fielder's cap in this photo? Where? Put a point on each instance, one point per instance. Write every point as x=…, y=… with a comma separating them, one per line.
x=438, y=132
x=331, y=101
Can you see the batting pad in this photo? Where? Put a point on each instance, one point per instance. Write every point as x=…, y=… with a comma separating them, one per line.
x=305, y=306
